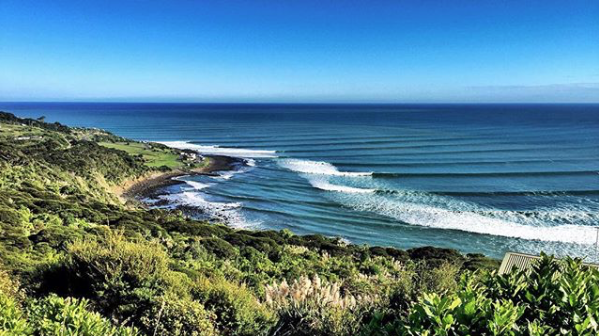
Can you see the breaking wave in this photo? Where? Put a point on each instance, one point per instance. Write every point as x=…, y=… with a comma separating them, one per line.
x=324, y=185
x=226, y=174
x=490, y=174
x=317, y=168
x=531, y=226
x=216, y=150
x=197, y=185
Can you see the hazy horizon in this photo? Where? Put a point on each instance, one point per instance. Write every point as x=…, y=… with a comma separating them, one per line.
x=290, y=103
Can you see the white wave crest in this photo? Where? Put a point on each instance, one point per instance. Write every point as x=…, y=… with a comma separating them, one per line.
x=197, y=185
x=440, y=218
x=216, y=150
x=317, y=167
x=226, y=174
x=324, y=185
x=197, y=200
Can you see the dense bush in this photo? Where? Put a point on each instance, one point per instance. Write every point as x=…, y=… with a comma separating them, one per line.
x=219, y=247
x=174, y=316
x=54, y=315
x=51, y=315
x=122, y=277
x=237, y=310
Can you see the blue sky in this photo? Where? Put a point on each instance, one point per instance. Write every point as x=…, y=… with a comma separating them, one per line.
x=300, y=51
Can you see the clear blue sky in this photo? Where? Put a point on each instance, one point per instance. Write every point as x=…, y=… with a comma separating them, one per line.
x=300, y=51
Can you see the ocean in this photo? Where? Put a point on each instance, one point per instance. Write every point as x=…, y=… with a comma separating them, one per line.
x=477, y=178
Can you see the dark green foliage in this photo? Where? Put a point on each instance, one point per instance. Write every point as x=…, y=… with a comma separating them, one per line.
x=235, y=307
x=85, y=157
x=433, y=254
x=219, y=247
x=51, y=315
x=58, y=316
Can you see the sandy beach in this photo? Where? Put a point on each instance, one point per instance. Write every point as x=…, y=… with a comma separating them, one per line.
x=146, y=185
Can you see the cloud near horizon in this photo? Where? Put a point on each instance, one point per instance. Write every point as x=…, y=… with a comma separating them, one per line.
x=565, y=93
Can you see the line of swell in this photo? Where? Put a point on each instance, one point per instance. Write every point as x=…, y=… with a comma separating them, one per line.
x=490, y=174
x=503, y=193
x=334, y=140
x=467, y=163
x=535, y=150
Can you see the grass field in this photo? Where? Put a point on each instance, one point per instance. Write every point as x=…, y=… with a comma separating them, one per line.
x=153, y=156
x=12, y=130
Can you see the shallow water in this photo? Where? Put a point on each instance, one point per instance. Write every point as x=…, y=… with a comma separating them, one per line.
x=478, y=178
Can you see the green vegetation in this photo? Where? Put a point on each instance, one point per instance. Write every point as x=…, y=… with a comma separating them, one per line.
x=14, y=131
x=75, y=261
x=154, y=155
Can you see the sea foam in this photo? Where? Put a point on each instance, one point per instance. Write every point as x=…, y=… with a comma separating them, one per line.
x=317, y=167
x=324, y=185
x=197, y=185
x=318, y=174
x=216, y=150
x=227, y=212
x=507, y=224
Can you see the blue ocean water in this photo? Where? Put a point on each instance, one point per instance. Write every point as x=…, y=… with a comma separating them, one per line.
x=478, y=178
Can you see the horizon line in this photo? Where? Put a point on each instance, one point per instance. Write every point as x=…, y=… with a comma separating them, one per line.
x=289, y=103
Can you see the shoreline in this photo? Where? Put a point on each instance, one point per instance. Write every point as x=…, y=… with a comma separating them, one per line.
x=132, y=190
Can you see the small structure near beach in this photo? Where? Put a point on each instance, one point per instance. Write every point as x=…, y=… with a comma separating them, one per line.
x=189, y=155
x=523, y=261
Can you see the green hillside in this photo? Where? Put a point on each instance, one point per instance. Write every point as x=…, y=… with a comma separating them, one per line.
x=75, y=261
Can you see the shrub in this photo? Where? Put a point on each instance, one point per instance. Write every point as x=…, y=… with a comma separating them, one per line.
x=12, y=319
x=54, y=315
x=435, y=255
x=172, y=316
x=439, y=279
x=116, y=257
x=121, y=276
x=237, y=311
x=10, y=216
x=219, y=247
x=8, y=286
x=262, y=244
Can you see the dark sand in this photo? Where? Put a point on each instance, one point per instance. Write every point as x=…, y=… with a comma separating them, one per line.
x=150, y=185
